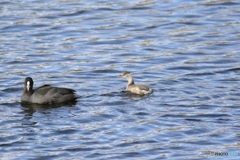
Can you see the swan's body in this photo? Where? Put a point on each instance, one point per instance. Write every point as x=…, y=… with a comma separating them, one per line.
x=46, y=94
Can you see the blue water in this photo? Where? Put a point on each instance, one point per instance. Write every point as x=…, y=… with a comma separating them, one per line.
x=187, y=51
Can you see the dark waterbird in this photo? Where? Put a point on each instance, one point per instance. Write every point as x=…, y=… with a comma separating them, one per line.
x=46, y=94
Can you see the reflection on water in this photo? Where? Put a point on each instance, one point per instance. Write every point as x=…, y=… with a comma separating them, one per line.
x=187, y=52
x=31, y=108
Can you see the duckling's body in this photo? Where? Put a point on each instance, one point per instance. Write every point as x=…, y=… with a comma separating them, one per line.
x=46, y=94
x=135, y=88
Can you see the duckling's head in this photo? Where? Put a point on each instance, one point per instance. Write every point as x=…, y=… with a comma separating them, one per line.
x=125, y=74
x=128, y=76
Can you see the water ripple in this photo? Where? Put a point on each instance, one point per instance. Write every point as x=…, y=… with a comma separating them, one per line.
x=186, y=51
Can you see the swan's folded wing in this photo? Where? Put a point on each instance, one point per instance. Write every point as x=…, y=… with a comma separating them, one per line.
x=43, y=89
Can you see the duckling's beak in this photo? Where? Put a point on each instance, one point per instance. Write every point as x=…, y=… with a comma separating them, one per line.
x=119, y=76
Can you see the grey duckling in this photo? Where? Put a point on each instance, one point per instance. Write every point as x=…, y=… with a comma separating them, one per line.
x=46, y=94
x=135, y=88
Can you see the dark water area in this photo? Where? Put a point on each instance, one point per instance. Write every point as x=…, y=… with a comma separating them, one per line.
x=187, y=51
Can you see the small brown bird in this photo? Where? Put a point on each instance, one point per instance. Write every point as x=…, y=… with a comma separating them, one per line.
x=135, y=88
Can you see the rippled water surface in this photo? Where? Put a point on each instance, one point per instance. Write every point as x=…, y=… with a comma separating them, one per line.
x=187, y=51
